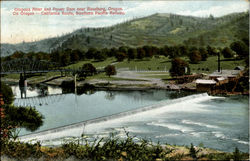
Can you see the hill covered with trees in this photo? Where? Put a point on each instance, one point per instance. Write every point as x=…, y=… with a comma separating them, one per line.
x=157, y=30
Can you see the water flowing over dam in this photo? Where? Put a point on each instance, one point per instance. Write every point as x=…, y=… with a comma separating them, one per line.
x=196, y=118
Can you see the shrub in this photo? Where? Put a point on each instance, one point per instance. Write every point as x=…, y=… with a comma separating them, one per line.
x=7, y=93
x=110, y=70
x=192, y=151
x=236, y=155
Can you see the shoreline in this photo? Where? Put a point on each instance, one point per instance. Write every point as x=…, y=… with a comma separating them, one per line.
x=119, y=85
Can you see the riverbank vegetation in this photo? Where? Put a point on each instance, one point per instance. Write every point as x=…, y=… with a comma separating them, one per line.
x=113, y=148
x=13, y=118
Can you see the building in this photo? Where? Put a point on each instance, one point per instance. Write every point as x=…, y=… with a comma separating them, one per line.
x=205, y=85
x=221, y=80
x=217, y=80
x=239, y=68
x=231, y=75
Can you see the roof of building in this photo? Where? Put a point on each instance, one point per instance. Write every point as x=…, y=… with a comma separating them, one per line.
x=239, y=68
x=221, y=78
x=205, y=81
x=225, y=73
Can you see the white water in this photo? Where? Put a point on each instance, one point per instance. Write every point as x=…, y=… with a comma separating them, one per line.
x=142, y=114
x=217, y=122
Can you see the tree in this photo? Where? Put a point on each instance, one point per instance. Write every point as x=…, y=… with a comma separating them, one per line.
x=110, y=70
x=227, y=52
x=148, y=51
x=123, y=49
x=183, y=50
x=90, y=53
x=204, y=53
x=178, y=67
x=88, y=39
x=172, y=51
x=75, y=55
x=55, y=56
x=112, y=52
x=245, y=40
x=17, y=54
x=12, y=117
x=195, y=57
x=26, y=117
x=211, y=17
x=120, y=56
x=140, y=53
x=65, y=59
x=89, y=69
x=211, y=50
x=240, y=48
x=132, y=53
x=99, y=56
x=7, y=93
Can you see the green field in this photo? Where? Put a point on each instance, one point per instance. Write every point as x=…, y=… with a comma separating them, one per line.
x=162, y=63
x=154, y=64
x=99, y=64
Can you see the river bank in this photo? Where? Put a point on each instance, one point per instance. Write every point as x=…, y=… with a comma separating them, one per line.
x=115, y=150
x=139, y=84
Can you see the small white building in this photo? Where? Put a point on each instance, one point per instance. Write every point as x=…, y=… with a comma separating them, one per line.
x=205, y=85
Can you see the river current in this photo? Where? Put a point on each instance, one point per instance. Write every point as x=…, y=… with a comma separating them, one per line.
x=170, y=117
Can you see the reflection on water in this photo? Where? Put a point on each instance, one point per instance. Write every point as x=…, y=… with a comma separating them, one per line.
x=36, y=95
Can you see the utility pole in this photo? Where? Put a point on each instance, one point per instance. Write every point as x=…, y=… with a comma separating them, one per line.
x=218, y=61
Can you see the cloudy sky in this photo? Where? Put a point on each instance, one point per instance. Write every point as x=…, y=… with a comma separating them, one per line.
x=15, y=29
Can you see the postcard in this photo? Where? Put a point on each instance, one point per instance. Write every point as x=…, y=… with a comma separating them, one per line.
x=125, y=80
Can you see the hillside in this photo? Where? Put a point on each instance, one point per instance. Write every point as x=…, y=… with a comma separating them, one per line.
x=158, y=29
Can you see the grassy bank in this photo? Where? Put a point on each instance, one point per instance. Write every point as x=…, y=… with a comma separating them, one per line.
x=113, y=149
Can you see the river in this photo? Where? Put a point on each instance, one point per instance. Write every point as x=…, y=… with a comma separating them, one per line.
x=220, y=123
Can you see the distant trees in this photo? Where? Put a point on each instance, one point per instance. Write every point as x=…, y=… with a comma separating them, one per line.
x=99, y=56
x=90, y=53
x=240, y=48
x=17, y=54
x=196, y=54
x=195, y=57
x=55, y=56
x=211, y=50
x=65, y=59
x=140, y=53
x=227, y=52
x=183, y=50
x=204, y=53
x=123, y=49
x=179, y=67
x=88, y=40
x=120, y=56
x=148, y=51
x=89, y=69
x=110, y=70
x=132, y=53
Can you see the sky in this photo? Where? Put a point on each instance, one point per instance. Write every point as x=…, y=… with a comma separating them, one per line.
x=19, y=28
